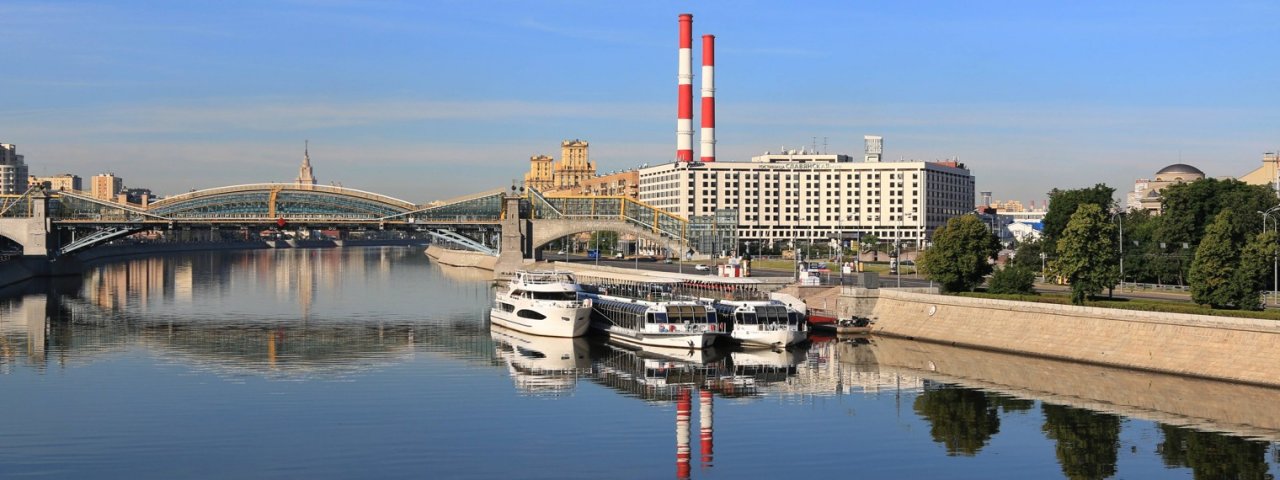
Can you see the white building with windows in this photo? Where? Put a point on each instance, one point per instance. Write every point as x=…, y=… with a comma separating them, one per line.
x=809, y=196
x=13, y=170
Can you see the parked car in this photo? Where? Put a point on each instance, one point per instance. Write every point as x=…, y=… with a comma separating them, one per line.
x=618, y=256
x=701, y=267
x=561, y=252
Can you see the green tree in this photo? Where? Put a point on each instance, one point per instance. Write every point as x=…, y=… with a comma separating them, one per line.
x=1063, y=204
x=1087, y=253
x=1254, y=274
x=1189, y=208
x=1013, y=279
x=960, y=255
x=1027, y=254
x=1214, y=275
x=1087, y=442
x=871, y=243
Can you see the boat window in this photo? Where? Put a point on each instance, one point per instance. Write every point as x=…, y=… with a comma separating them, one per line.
x=557, y=296
x=660, y=317
x=507, y=307
x=530, y=314
x=747, y=318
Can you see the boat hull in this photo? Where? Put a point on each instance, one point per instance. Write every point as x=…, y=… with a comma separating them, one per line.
x=560, y=321
x=685, y=340
x=751, y=338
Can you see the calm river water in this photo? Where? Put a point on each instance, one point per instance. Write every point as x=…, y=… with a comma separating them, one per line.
x=375, y=363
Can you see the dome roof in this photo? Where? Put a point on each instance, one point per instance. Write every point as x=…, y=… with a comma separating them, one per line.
x=1180, y=168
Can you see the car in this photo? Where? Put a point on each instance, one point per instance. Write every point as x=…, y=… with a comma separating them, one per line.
x=701, y=267
x=666, y=261
x=561, y=252
x=618, y=255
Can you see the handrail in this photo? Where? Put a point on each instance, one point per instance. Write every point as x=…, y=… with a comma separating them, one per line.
x=377, y=197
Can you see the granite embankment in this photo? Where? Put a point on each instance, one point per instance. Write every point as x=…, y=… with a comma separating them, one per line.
x=461, y=258
x=1232, y=349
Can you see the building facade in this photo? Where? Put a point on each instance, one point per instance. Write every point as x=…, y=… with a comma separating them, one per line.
x=13, y=170
x=805, y=196
x=106, y=185
x=620, y=184
x=575, y=167
x=1146, y=192
x=1267, y=174
x=305, y=176
x=65, y=181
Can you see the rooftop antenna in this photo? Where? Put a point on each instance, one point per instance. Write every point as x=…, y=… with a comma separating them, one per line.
x=824, y=145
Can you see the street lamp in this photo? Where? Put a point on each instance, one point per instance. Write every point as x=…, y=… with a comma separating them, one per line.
x=1275, y=274
x=1119, y=216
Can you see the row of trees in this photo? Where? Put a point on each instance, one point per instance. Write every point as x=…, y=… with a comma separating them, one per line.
x=1209, y=235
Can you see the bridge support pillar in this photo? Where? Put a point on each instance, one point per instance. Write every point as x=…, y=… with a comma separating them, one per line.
x=517, y=237
x=31, y=232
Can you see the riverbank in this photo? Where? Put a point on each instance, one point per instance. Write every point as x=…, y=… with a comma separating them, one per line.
x=1232, y=349
x=461, y=258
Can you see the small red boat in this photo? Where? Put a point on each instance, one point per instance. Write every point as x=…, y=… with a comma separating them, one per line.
x=821, y=318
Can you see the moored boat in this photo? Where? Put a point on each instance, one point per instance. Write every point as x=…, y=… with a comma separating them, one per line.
x=761, y=324
x=542, y=303
x=673, y=323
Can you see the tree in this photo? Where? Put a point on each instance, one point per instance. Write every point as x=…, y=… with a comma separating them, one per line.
x=871, y=242
x=1027, y=255
x=1213, y=455
x=960, y=255
x=1013, y=279
x=1063, y=204
x=1214, y=278
x=1190, y=207
x=1254, y=274
x=1087, y=255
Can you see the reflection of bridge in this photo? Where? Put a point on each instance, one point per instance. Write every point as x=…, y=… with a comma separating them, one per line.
x=516, y=225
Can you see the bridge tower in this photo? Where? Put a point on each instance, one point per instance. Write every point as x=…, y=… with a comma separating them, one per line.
x=517, y=236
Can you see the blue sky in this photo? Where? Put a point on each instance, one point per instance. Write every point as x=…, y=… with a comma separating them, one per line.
x=428, y=100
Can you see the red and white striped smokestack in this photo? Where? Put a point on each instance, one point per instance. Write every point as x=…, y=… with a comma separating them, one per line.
x=708, y=98
x=684, y=118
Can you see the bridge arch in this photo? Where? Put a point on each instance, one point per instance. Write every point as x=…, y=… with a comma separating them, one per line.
x=280, y=200
x=546, y=231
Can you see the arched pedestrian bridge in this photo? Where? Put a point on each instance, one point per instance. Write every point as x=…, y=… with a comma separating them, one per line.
x=492, y=221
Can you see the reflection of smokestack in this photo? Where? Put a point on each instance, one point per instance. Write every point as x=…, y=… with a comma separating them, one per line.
x=708, y=98
x=684, y=114
x=704, y=425
x=682, y=434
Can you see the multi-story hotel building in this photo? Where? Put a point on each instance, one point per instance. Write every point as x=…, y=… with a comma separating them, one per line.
x=13, y=170
x=808, y=196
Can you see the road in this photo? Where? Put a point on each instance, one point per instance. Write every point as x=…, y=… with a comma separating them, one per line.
x=909, y=281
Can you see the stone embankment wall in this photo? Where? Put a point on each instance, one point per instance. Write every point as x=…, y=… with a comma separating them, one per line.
x=461, y=258
x=1232, y=349
x=1203, y=404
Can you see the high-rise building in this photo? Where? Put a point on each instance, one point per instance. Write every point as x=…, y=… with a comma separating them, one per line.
x=574, y=166
x=65, y=181
x=809, y=196
x=304, y=172
x=13, y=170
x=106, y=186
x=568, y=174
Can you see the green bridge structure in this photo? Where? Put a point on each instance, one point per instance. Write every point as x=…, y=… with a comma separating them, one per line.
x=512, y=224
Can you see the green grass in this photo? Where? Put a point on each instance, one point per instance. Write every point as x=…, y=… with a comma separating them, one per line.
x=1139, y=304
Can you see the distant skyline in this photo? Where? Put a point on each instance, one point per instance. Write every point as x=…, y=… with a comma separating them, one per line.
x=433, y=100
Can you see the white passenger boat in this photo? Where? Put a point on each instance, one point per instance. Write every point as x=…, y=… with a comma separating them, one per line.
x=675, y=323
x=542, y=303
x=761, y=324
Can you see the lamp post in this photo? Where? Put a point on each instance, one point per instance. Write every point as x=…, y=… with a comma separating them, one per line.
x=1275, y=274
x=1119, y=216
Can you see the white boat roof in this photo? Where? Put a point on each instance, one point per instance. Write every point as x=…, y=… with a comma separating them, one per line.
x=650, y=276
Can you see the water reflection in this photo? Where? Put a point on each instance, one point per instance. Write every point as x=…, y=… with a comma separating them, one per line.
x=541, y=366
x=236, y=316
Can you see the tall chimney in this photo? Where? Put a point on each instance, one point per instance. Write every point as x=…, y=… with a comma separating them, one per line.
x=708, y=98
x=684, y=118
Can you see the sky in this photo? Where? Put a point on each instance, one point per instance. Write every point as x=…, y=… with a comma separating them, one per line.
x=434, y=99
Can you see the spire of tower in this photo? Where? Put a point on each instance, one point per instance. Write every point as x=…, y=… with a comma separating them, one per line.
x=305, y=176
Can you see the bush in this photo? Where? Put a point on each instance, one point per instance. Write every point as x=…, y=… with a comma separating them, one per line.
x=1012, y=279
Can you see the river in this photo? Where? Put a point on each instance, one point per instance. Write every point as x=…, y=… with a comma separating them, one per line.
x=375, y=363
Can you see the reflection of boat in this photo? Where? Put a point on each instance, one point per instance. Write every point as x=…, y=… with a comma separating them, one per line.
x=767, y=324
x=542, y=303
x=654, y=373
x=679, y=324
x=541, y=364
